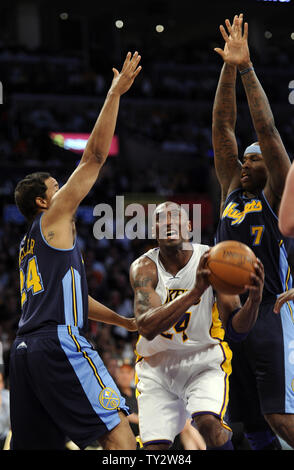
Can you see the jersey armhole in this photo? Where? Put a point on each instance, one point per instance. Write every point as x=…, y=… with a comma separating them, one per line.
x=231, y=193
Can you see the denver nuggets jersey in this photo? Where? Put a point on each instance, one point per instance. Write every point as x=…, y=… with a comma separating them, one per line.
x=252, y=221
x=52, y=282
x=199, y=327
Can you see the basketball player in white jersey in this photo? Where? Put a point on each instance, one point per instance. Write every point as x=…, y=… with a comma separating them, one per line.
x=183, y=363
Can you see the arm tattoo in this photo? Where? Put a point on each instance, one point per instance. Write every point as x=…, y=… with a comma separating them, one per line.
x=258, y=103
x=223, y=127
x=50, y=236
x=142, y=282
x=143, y=301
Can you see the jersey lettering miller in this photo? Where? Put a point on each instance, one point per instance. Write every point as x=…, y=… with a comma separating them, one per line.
x=27, y=249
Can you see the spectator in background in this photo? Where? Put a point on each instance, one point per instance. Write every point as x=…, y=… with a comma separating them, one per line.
x=124, y=377
x=4, y=412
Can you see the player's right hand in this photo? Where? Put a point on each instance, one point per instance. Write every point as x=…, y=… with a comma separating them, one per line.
x=123, y=80
x=202, y=275
x=236, y=51
x=282, y=299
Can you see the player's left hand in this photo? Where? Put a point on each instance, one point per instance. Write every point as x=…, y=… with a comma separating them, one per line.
x=236, y=51
x=282, y=299
x=257, y=279
x=131, y=324
x=123, y=80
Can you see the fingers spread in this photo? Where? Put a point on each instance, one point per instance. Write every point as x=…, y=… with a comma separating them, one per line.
x=127, y=61
x=224, y=33
x=219, y=51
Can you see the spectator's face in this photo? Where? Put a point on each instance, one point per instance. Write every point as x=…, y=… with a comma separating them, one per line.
x=1, y=382
x=124, y=376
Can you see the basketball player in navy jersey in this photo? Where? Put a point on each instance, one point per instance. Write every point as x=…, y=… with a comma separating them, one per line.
x=286, y=212
x=251, y=190
x=183, y=363
x=59, y=385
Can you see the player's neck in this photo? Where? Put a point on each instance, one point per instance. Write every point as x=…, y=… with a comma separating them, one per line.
x=175, y=258
x=250, y=195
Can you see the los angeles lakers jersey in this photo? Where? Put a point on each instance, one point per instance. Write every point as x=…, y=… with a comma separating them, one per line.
x=200, y=326
x=52, y=282
x=252, y=221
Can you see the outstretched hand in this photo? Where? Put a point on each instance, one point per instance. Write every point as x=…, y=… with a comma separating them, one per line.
x=123, y=80
x=282, y=299
x=236, y=51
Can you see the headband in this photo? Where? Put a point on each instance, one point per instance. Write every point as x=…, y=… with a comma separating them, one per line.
x=253, y=148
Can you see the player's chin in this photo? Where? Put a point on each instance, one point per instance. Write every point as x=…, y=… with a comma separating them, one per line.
x=247, y=185
x=170, y=241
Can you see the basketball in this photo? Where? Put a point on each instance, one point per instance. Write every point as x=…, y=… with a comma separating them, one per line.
x=231, y=264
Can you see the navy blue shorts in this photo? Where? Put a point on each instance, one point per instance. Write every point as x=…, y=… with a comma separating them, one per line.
x=60, y=389
x=262, y=379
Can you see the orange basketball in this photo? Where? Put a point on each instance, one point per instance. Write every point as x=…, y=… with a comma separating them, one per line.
x=231, y=264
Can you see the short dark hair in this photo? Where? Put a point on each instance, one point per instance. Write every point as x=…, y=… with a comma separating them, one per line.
x=27, y=190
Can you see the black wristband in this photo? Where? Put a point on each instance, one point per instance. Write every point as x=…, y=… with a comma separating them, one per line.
x=242, y=72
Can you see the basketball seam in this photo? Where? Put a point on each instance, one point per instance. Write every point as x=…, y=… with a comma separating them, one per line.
x=226, y=282
x=228, y=264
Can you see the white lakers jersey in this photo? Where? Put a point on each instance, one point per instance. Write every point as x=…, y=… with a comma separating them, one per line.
x=200, y=326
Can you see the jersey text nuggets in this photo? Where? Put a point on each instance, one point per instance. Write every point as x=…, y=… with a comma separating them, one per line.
x=237, y=216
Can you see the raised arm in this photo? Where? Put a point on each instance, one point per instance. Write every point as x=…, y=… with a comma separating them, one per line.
x=66, y=201
x=227, y=164
x=286, y=213
x=272, y=147
x=152, y=316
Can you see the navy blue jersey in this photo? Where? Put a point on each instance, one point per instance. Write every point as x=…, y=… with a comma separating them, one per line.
x=52, y=282
x=253, y=222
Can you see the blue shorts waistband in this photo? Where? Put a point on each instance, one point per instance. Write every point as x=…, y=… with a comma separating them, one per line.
x=53, y=330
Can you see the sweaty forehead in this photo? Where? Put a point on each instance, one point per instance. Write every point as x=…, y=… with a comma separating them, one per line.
x=170, y=208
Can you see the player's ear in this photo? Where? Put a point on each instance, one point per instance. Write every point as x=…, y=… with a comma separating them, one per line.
x=41, y=202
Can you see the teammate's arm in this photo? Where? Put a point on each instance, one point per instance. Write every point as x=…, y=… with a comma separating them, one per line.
x=286, y=213
x=152, y=316
x=68, y=198
x=246, y=315
x=101, y=313
x=272, y=147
